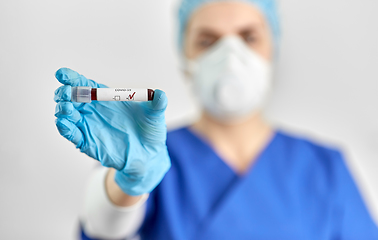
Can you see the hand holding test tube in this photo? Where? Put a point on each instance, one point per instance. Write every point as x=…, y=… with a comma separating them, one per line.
x=128, y=136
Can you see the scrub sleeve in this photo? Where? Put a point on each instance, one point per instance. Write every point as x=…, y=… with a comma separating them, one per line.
x=101, y=219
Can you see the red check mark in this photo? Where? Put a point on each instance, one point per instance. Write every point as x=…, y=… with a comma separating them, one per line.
x=131, y=96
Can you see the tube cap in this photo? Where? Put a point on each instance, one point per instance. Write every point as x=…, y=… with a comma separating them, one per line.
x=81, y=94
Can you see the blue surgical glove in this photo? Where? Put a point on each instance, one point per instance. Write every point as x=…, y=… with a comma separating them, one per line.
x=127, y=136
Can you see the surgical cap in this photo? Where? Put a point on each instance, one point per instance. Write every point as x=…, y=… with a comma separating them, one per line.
x=267, y=7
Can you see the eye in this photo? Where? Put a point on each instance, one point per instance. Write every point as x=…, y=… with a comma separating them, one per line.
x=205, y=43
x=250, y=38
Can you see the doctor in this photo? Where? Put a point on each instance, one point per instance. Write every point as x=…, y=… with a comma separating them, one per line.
x=230, y=175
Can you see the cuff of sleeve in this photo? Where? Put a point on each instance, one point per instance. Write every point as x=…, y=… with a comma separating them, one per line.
x=101, y=218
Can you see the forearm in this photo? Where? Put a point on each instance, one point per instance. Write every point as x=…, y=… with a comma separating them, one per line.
x=104, y=218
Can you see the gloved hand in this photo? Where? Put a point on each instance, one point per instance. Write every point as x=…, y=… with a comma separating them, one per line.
x=127, y=136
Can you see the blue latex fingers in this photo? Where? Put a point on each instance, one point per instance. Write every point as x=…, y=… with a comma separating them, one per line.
x=70, y=131
x=157, y=106
x=70, y=77
x=160, y=101
x=67, y=110
x=151, y=119
x=63, y=94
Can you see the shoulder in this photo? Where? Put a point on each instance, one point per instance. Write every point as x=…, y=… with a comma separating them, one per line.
x=178, y=137
x=316, y=166
x=176, y=133
x=186, y=148
x=321, y=173
x=183, y=137
x=317, y=162
x=180, y=141
x=296, y=146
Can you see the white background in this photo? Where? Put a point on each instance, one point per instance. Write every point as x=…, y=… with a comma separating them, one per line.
x=326, y=88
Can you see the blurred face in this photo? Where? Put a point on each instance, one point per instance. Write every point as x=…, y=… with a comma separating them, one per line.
x=216, y=20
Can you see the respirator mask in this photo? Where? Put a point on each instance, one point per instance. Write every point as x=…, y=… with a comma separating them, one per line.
x=230, y=80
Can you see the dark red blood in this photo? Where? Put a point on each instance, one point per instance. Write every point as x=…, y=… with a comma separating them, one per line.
x=94, y=94
x=151, y=94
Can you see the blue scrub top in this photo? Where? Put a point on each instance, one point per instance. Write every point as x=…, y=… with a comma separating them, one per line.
x=296, y=189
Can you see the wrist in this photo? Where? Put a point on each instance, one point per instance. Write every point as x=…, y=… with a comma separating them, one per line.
x=116, y=195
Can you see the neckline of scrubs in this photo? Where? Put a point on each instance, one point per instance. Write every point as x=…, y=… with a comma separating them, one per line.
x=234, y=191
x=259, y=157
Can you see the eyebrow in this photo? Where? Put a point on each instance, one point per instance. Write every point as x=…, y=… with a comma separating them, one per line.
x=248, y=29
x=207, y=32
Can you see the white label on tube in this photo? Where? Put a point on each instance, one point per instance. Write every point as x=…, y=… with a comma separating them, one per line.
x=122, y=94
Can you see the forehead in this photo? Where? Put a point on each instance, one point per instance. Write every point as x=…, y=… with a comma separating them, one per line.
x=226, y=17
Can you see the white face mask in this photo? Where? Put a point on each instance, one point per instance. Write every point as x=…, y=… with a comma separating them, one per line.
x=230, y=80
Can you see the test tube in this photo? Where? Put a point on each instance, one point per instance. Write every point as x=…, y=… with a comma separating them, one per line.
x=88, y=94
